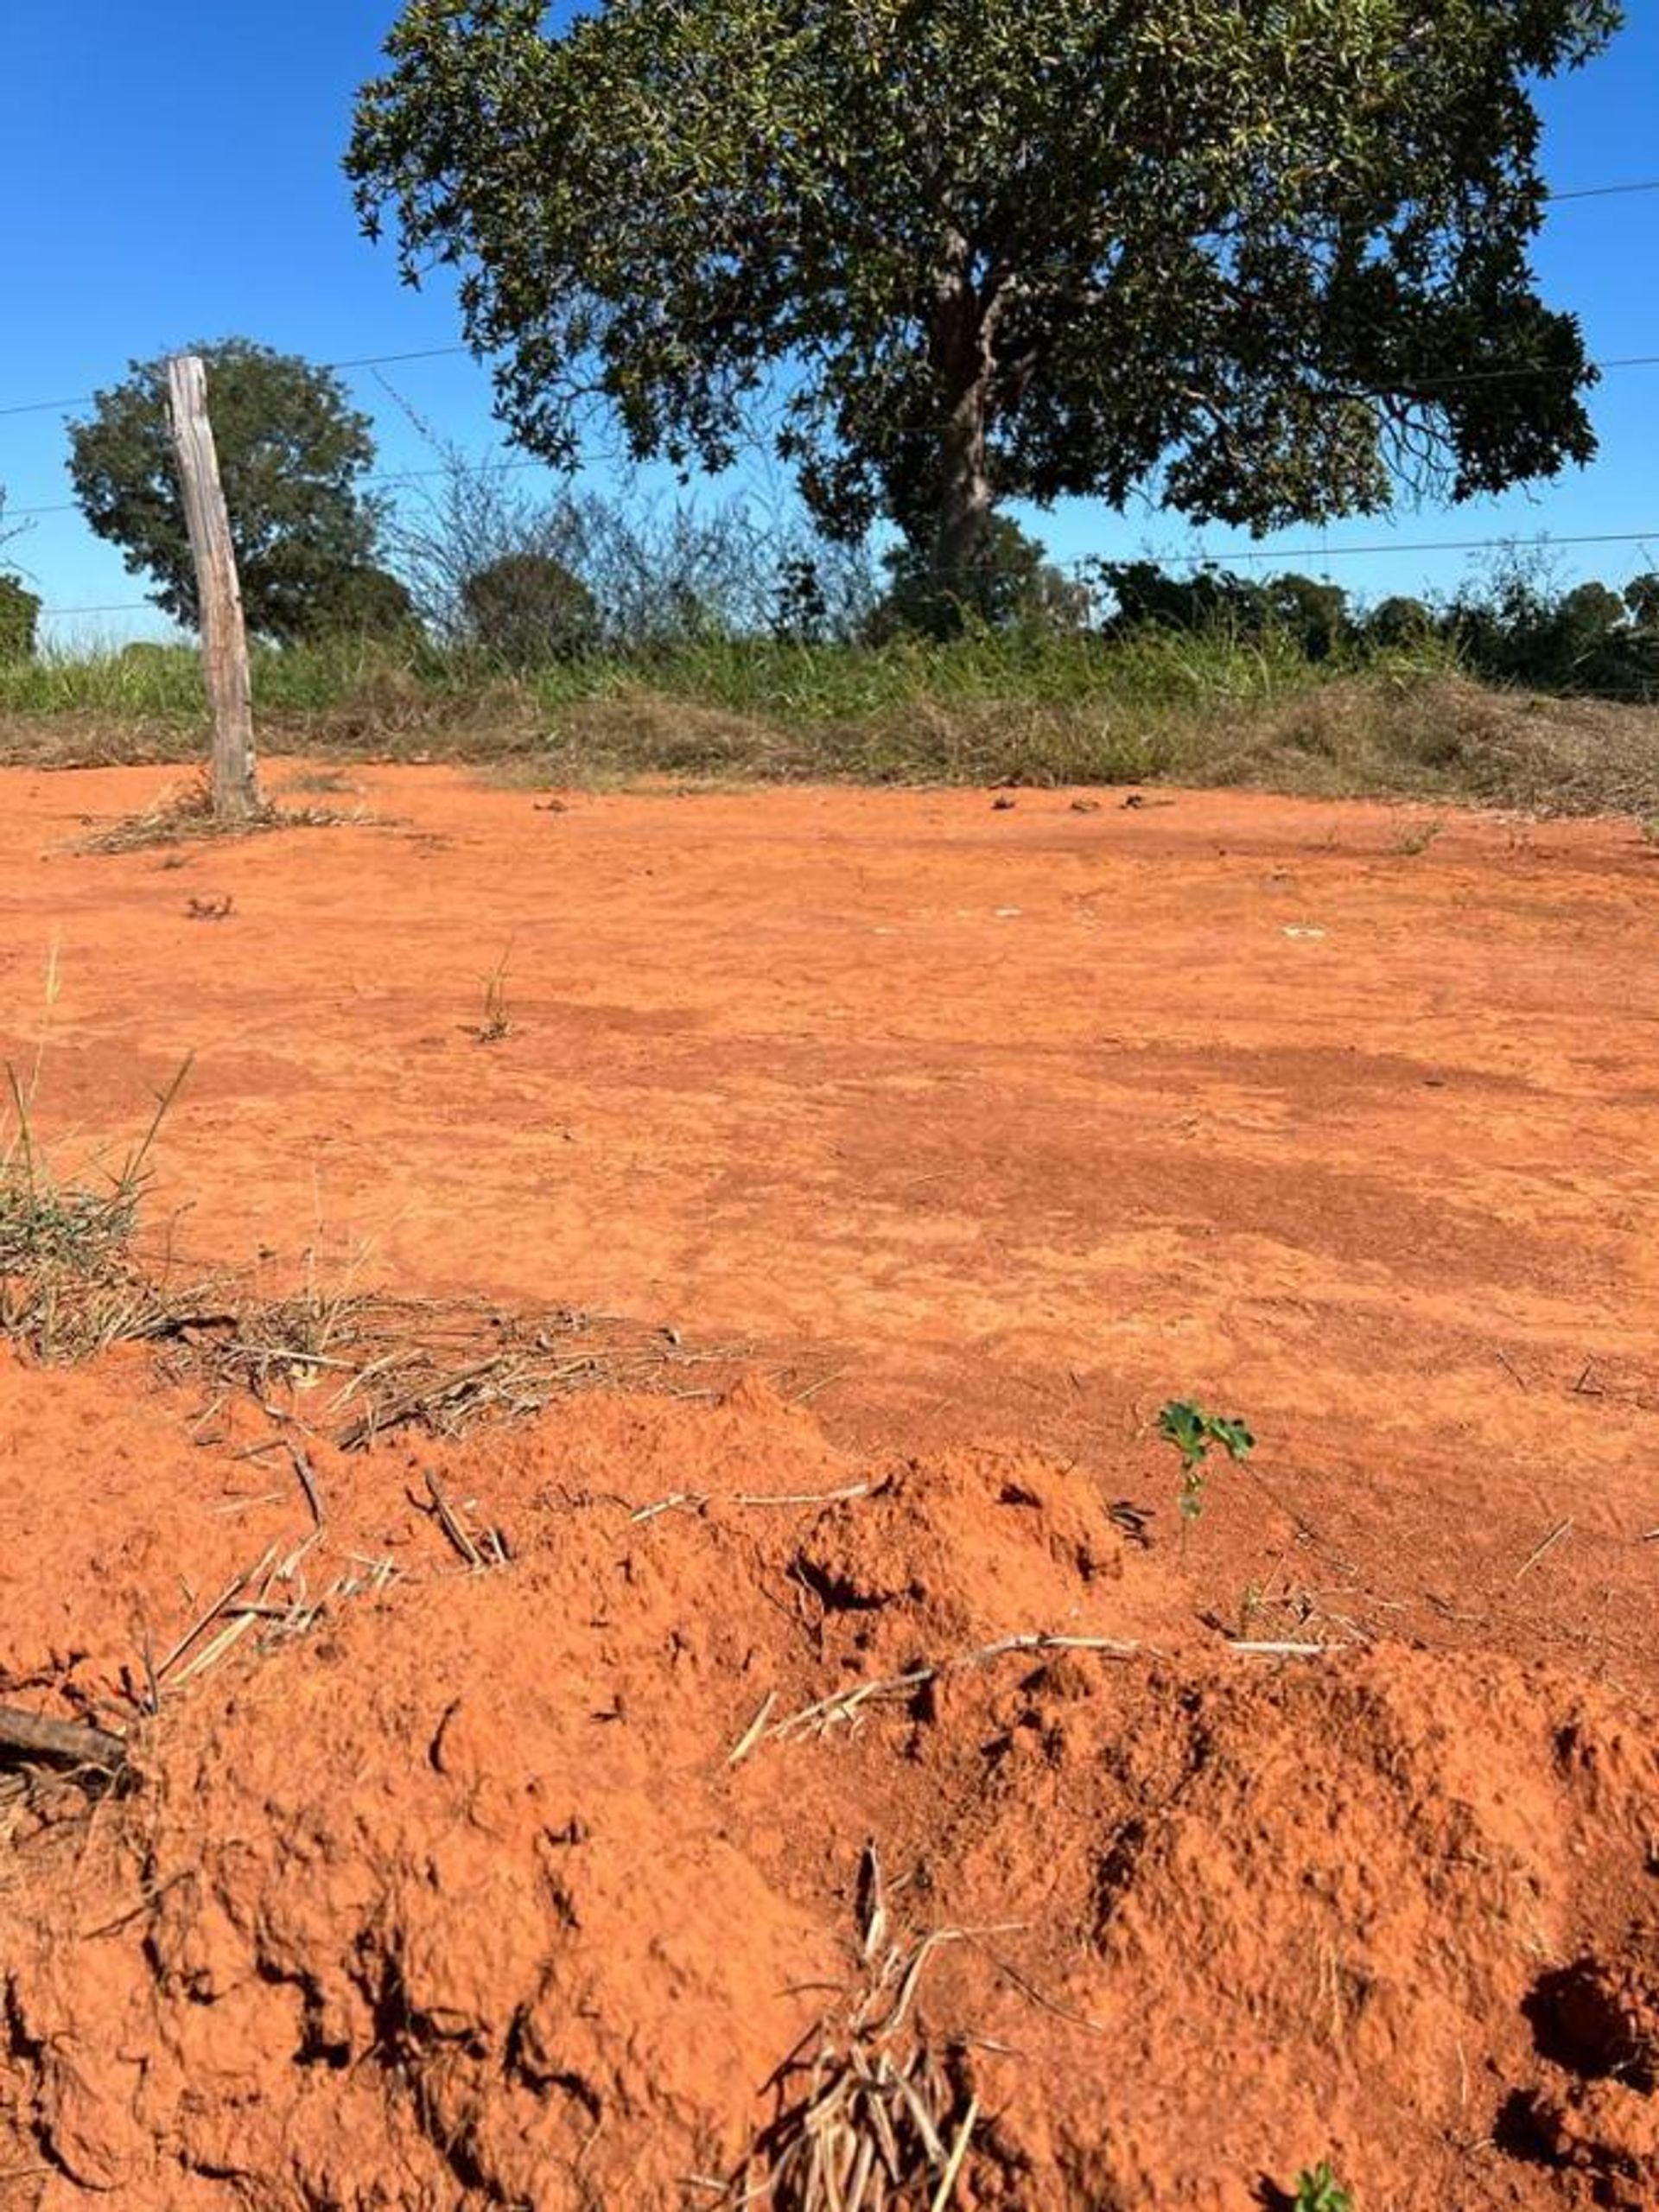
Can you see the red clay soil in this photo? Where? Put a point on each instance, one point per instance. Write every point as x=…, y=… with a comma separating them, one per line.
x=986, y=1130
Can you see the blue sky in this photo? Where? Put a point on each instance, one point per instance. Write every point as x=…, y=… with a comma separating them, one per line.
x=173, y=175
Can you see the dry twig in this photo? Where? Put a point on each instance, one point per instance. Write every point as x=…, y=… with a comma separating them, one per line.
x=61, y=1743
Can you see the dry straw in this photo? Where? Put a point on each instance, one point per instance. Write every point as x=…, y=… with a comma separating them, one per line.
x=871, y=2116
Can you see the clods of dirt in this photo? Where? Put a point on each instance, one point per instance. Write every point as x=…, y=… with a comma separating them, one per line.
x=524, y=1887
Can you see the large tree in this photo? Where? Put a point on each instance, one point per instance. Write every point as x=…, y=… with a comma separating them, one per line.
x=1254, y=258
x=293, y=453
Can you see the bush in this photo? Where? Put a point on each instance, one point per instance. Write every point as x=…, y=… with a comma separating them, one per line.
x=527, y=609
x=1014, y=585
x=1399, y=623
x=1520, y=628
x=19, y=611
x=365, y=602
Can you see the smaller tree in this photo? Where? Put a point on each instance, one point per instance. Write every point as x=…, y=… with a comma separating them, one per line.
x=1589, y=615
x=19, y=611
x=528, y=609
x=1208, y=601
x=293, y=453
x=366, y=602
x=1010, y=582
x=1314, y=615
x=1399, y=622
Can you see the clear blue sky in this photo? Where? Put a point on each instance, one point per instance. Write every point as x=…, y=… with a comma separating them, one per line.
x=174, y=174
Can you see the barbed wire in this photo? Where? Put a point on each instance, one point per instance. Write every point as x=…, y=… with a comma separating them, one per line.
x=116, y=606
x=1603, y=191
x=359, y=361
x=1406, y=385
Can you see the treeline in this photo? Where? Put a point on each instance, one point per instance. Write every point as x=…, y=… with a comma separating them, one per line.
x=1516, y=625
x=482, y=562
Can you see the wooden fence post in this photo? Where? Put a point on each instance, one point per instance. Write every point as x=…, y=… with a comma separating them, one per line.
x=224, y=638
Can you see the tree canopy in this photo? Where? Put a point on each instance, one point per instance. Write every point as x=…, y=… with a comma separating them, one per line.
x=1253, y=261
x=292, y=453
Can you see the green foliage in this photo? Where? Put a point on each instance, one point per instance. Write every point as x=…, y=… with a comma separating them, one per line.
x=1514, y=626
x=1400, y=622
x=1642, y=598
x=1208, y=603
x=1519, y=627
x=1192, y=1432
x=293, y=453
x=1309, y=613
x=1010, y=582
x=528, y=609
x=1252, y=262
x=19, y=610
x=1320, y=2191
x=1315, y=614
x=364, y=602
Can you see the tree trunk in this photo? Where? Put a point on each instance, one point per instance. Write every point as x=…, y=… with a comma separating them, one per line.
x=964, y=516
x=962, y=359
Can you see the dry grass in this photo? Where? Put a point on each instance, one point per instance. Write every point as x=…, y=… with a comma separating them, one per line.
x=355, y=1369
x=69, y=1284
x=75, y=1278
x=1438, y=737
x=186, y=816
x=871, y=2116
x=1205, y=710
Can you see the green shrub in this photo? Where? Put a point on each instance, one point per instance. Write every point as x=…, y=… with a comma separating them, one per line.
x=19, y=611
x=527, y=609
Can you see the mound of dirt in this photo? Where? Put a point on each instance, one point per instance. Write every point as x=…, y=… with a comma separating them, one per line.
x=522, y=1886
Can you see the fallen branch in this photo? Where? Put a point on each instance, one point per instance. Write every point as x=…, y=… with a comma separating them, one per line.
x=65, y=1743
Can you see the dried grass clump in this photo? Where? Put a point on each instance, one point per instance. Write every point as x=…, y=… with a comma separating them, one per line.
x=69, y=1284
x=872, y=2118
x=186, y=816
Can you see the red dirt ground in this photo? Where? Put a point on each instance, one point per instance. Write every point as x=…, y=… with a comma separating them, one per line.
x=985, y=1128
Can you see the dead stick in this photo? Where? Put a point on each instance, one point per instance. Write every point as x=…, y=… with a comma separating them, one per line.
x=307, y=1474
x=450, y=1523
x=1502, y=1356
x=65, y=1742
x=804, y=1497
x=1250, y=1650
x=1560, y=1529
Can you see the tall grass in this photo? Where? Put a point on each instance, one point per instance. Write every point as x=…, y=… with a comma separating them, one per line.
x=1017, y=707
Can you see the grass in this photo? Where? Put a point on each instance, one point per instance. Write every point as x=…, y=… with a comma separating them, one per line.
x=69, y=1286
x=1410, y=843
x=1004, y=708
x=497, y=1018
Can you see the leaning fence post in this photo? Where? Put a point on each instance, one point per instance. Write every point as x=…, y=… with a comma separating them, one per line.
x=218, y=594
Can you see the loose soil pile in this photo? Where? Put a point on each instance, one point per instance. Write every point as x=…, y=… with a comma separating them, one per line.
x=517, y=1887
x=599, y=1810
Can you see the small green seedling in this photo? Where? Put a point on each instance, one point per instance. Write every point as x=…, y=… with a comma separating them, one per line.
x=1192, y=1431
x=1320, y=2191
